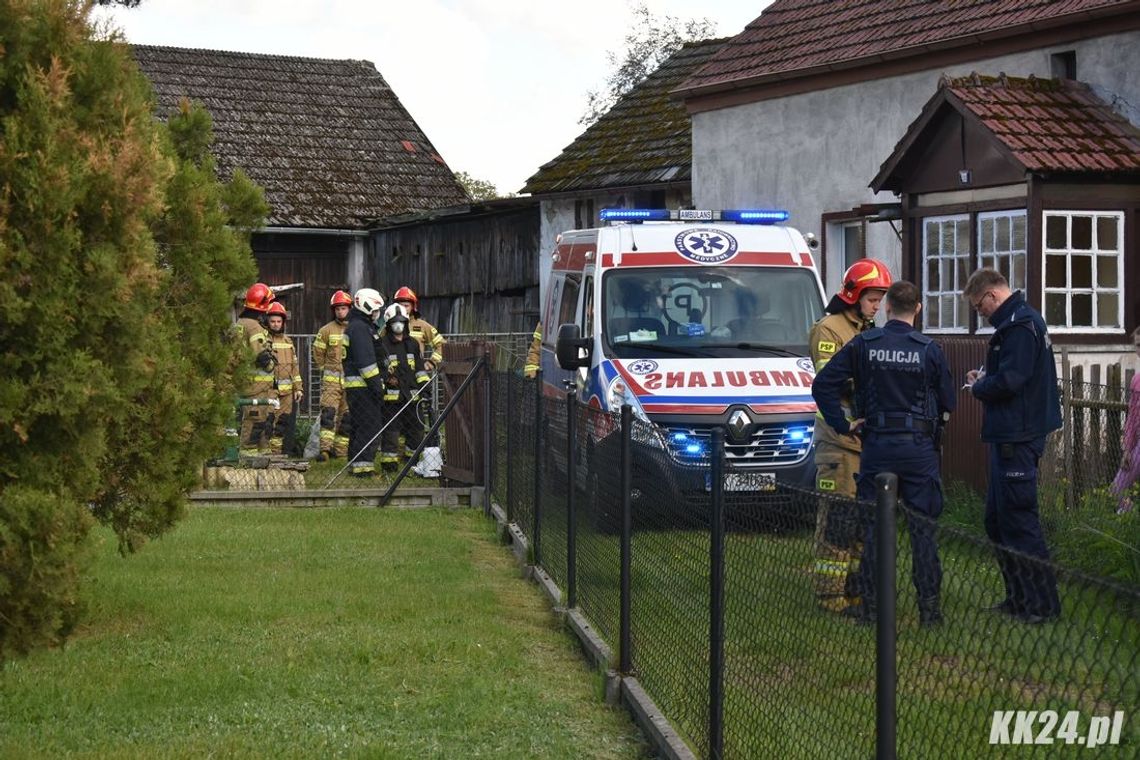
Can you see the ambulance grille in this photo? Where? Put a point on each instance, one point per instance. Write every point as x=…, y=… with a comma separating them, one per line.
x=777, y=444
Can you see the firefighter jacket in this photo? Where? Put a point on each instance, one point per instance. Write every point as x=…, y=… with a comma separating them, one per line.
x=827, y=336
x=260, y=378
x=534, y=353
x=403, y=366
x=360, y=367
x=428, y=338
x=328, y=352
x=287, y=373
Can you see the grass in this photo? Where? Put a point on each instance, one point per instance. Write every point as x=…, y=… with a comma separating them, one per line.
x=312, y=633
x=800, y=683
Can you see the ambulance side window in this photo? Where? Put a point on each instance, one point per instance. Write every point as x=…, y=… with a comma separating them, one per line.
x=551, y=332
x=587, y=320
x=569, y=305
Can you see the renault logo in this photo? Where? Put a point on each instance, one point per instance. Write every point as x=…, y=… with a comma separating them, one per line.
x=738, y=424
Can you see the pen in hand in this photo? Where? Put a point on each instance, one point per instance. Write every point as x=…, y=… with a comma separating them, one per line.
x=974, y=376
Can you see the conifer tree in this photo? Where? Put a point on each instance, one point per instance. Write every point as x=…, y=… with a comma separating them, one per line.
x=120, y=254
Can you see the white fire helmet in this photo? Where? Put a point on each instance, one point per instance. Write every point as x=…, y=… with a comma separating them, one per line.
x=368, y=301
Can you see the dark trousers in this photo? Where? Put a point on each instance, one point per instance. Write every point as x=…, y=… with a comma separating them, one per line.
x=407, y=424
x=1014, y=526
x=366, y=410
x=914, y=460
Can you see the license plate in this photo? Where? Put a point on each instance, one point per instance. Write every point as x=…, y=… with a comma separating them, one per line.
x=746, y=481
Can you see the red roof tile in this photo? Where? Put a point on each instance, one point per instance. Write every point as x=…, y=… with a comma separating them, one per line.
x=793, y=37
x=1069, y=132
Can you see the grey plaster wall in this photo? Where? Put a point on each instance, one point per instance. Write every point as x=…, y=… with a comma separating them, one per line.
x=817, y=152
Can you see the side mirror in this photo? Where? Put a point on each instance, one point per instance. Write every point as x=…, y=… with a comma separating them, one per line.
x=571, y=349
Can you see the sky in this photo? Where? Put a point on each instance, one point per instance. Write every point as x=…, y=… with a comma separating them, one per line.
x=497, y=86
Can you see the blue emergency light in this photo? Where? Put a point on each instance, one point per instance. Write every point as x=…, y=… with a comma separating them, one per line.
x=740, y=215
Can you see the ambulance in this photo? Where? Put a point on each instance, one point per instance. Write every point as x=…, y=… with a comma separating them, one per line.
x=698, y=319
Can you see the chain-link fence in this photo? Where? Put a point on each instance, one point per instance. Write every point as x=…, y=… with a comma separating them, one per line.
x=726, y=633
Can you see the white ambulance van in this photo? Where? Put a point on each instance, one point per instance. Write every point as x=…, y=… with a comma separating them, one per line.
x=697, y=319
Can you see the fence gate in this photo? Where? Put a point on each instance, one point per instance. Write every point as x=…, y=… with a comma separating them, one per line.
x=463, y=428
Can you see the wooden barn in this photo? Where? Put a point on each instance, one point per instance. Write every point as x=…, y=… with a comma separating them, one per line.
x=329, y=142
x=474, y=267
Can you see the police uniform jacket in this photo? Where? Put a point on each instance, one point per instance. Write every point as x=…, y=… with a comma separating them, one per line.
x=361, y=369
x=902, y=381
x=1019, y=388
x=827, y=336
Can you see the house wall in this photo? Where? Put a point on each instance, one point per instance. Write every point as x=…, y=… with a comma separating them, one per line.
x=817, y=152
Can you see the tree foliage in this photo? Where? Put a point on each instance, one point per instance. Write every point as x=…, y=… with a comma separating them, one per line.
x=479, y=189
x=652, y=39
x=121, y=253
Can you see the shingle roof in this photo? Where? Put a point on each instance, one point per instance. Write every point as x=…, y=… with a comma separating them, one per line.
x=328, y=140
x=1051, y=124
x=644, y=139
x=1045, y=125
x=795, y=37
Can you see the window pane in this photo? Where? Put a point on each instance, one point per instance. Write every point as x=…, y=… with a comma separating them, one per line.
x=1106, y=308
x=1019, y=233
x=1081, y=310
x=1082, y=233
x=1106, y=233
x=931, y=233
x=1055, y=274
x=932, y=282
x=1055, y=309
x=947, y=238
x=1081, y=274
x=1018, y=281
x=1002, y=225
x=947, y=307
x=1055, y=236
x=947, y=279
x=1003, y=267
x=964, y=245
x=987, y=235
x=963, y=273
x=1106, y=272
x=932, y=311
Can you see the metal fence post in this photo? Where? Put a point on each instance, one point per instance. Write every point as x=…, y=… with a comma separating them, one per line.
x=488, y=478
x=625, y=636
x=539, y=464
x=886, y=675
x=716, y=597
x=508, y=449
x=571, y=519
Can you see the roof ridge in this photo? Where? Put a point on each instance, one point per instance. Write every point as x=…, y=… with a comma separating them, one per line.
x=246, y=54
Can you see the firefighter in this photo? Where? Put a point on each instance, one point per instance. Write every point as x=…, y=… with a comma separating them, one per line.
x=420, y=330
x=404, y=374
x=534, y=353
x=286, y=376
x=328, y=356
x=255, y=420
x=851, y=311
x=363, y=383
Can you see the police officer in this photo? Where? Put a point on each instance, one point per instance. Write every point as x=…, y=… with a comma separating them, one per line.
x=1018, y=391
x=903, y=394
x=363, y=383
x=851, y=311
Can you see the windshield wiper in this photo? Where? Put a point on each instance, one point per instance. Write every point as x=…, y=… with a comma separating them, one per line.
x=754, y=347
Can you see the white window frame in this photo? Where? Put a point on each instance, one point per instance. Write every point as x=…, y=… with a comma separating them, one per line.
x=1096, y=253
x=983, y=324
x=927, y=292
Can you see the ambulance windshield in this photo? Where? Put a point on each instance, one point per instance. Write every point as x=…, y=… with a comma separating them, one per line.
x=708, y=311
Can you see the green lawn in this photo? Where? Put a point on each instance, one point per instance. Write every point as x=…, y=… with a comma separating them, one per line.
x=313, y=633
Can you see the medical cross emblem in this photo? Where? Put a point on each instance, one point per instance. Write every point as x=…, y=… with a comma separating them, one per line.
x=706, y=245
